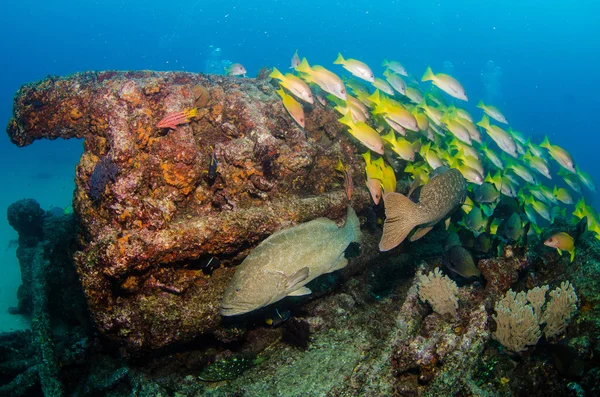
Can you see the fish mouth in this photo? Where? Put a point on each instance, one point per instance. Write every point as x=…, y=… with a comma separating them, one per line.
x=234, y=310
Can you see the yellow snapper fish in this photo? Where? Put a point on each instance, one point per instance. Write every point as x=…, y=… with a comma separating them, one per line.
x=327, y=80
x=433, y=113
x=422, y=120
x=401, y=146
x=294, y=85
x=357, y=68
x=444, y=193
x=431, y=156
x=295, y=60
x=471, y=128
x=563, y=195
x=286, y=261
x=469, y=173
x=457, y=129
x=538, y=164
x=571, y=179
x=582, y=210
x=364, y=133
x=539, y=207
x=395, y=81
x=293, y=107
x=586, y=179
x=446, y=83
x=493, y=112
x=356, y=108
x=461, y=113
x=374, y=178
x=388, y=177
x=562, y=242
x=383, y=86
x=395, y=66
x=501, y=137
x=394, y=111
x=522, y=172
x=419, y=174
x=559, y=154
x=492, y=156
x=537, y=151
x=414, y=94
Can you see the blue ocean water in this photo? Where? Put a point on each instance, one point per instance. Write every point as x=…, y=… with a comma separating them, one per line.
x=536, y=60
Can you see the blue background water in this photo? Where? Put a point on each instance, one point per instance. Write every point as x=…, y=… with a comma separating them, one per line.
x=547, y=52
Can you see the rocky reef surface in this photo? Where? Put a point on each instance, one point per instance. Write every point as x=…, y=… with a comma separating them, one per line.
x=123, y=294
x=152, y=215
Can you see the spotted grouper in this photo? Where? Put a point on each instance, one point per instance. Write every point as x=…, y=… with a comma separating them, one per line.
x=285, y=262
x=444, y=192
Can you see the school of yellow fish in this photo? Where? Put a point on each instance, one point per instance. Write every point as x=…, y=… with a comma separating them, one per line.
x=397, y=116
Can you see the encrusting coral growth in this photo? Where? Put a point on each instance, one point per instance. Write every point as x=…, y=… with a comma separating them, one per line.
x=519, y=315
x=439, y=291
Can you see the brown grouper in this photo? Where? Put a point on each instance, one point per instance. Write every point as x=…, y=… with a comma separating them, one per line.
x=282, y=264
x=444, y=193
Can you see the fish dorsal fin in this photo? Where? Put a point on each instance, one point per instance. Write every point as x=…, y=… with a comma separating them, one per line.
x=300, y=292
x=402, y=215
x=297, y=278
x=420, y=232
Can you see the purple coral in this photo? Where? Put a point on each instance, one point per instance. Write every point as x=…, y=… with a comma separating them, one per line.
x=104, y=171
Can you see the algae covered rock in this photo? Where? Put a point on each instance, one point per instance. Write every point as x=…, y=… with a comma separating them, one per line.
x=159, y=207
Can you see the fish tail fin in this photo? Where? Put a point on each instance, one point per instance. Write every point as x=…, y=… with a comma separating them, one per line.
x=339, y=60
x=281, y=93
x=385, y=63
x=485, y=122
x=480, y=104
x=347, y=120
x=545, y=143
x=304, y=67
x=428, y=76
x=276, y=74
x=402, y=215
x=375, y=97
x=193, y=112
x=352, y=226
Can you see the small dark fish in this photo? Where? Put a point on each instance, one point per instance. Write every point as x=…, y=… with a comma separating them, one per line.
x=371, y=219
x=278, y=317
x=210, y=266
x=483, y=243
x=581, y=227
x=486, y=193
x=512, y=228
x=212, y=167
x=459, y=260
x=566, y=360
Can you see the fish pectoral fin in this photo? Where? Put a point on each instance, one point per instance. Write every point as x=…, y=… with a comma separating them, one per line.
x=300, y=292
x=297, y=278
x=339, y=265
x=420, y=232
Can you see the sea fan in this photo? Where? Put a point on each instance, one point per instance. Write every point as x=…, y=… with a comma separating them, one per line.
x=104, y=171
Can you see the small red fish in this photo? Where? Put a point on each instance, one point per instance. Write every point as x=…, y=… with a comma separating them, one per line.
x=172, y=120
x=348, y=183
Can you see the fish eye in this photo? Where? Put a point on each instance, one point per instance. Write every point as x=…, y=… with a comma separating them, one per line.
x=238, y=289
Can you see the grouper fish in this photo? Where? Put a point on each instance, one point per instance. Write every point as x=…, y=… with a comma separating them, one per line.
x=286, y=261
x=444, y=193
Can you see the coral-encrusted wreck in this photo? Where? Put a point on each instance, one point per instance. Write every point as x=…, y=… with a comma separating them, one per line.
x=153, y=216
